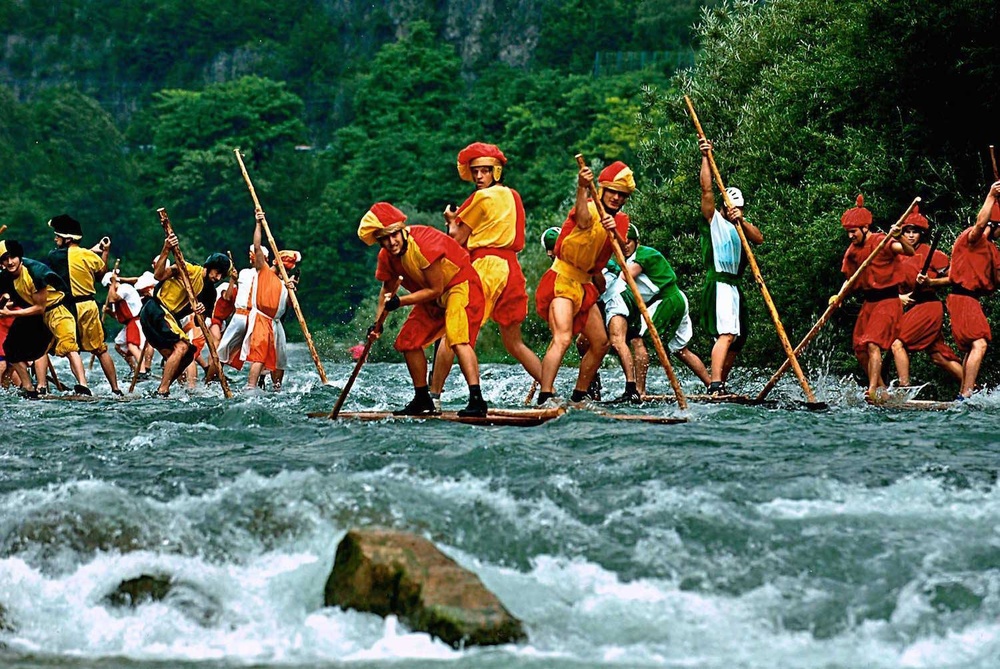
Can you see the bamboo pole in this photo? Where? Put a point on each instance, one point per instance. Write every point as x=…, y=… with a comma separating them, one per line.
x=372, y=336
x=3, y=228
x=620, y=257
x=284, y=275
x=834, y=304
x=787, y=345
x=138, y=365
x=193, y=299
x=993, y=159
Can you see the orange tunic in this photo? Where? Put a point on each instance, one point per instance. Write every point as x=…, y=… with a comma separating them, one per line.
x=267, y=298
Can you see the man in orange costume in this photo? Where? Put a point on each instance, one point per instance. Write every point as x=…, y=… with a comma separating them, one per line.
x=567, y=297
x=444, y=291
x=490, y=224
x=881, y=311
x=975, y=271
x=267, y=299
x=920, y=327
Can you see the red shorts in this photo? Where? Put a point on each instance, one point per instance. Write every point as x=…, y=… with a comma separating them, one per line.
x=877, y=324
x=456, y=315
x=132, y=333
x=504, y=289
x=968, y=322
x=921, y=325
x=553, y=285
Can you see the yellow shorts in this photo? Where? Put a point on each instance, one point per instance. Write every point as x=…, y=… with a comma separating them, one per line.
x=90, y=330
x=62, y=325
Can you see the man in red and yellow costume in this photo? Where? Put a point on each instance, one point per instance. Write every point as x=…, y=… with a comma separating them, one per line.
x=490, y=224
x=975, y=271
x=567, y=297
x=881, y=311
x=444, y=291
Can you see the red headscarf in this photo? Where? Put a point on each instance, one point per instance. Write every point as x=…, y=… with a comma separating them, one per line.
x=857, y=217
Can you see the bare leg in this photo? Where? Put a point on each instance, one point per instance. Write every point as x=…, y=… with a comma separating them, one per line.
x=416, y=363
x=720, y=353
x=617, y=329
x=599, y=345
x=902, y=359
x=21, y=369
x=953, y=367
x=443, y=360
x=641, y=357
x=971, y=367
x=175, y=361
x=694, y=363
x=561, y=324
x=467, y=362
x=874, y=369
x=108, y=367
x=513, y=342
x=256, y=368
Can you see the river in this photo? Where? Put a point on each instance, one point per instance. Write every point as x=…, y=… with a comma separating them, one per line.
x=747, y=537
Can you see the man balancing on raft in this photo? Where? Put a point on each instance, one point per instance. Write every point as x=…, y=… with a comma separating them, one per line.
x=78, y=267
x=723, y=310
x=161, y=316
x=444, y=291
x=920, y=328
x=43, y=316
x=268, y=299
x=125, y=301
x=490, y=224
x=567, y=297
x=667, y=306
x=975, y=273
x=881, y=310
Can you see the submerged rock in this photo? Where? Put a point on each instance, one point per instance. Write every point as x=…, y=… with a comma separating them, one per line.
x=186, y=597
x=135, y=591
x=5, y=626
x=388, y=572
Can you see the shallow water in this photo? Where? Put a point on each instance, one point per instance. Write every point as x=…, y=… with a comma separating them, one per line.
x=748, y=537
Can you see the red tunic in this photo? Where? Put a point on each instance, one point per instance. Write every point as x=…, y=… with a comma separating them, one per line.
x=920, y=327
x=973, y=274
x=881, y=312
x=458, y=312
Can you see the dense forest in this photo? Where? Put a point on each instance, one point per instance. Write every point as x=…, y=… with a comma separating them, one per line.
x=111, y=110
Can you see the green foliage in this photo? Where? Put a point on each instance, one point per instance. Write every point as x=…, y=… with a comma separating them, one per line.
x=808, y=103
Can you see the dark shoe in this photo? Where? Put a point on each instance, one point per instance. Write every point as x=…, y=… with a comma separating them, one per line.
x=594, y=389
x=42, y=390
x=142, y=376
x=628, y=398
x=81, y=390
x=476, y=409
x=118, y=392
x=29, y=394
x=717, y=389
x=418, y=407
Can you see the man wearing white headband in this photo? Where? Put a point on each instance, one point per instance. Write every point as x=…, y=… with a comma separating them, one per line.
x=723, y=310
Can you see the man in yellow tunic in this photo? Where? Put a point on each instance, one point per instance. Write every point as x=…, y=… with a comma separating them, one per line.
x=78, y=267
x=160, y=316
x=490, y=224
x=35, y=287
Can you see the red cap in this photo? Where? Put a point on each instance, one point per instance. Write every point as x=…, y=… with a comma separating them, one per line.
x=916, y=219
x=856, y=217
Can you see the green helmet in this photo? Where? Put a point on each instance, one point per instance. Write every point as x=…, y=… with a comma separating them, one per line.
x=633, y=232
x=549, y=238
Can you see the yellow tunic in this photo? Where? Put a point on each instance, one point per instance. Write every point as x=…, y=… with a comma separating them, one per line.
x=171, y=294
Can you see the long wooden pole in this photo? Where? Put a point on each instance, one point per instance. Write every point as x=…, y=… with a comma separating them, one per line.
x=620, y=257
x=835, y=303
x=787, y=345
x=138, y=365
x=3, y=228
x=193, y=299
x=284, y=275
x=993, y=159
x=372, y=336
